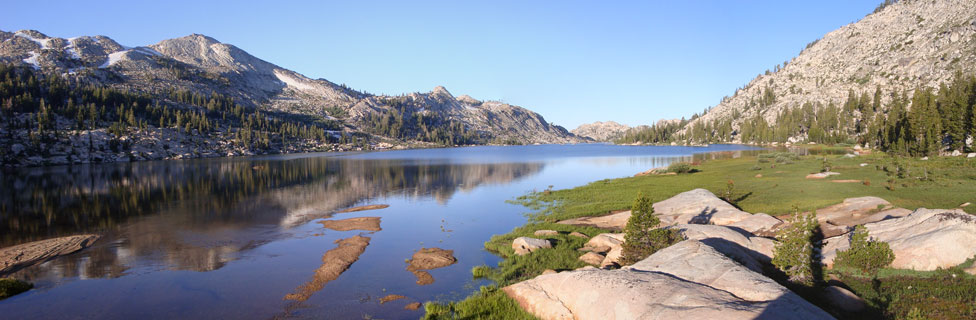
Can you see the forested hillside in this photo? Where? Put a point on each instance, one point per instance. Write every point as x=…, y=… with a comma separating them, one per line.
x=90, y=99
x=900, y=80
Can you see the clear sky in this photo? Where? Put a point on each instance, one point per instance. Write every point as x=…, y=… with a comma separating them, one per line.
x=572, y=61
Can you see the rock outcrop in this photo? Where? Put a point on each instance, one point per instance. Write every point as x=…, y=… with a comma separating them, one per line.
x=695, y=261
x=610, y=244
x=844, y=299
x=24, y=255
x=545, y=233
x=698, y=206
x=759, y=224
x=614, y=221
x=600, y=131
x=742, y=246
x=334, y=263
x=857, y=211
x=525, y=245
x=428, y=259
x=926, y=239
x=592, y=258
x=684, y=281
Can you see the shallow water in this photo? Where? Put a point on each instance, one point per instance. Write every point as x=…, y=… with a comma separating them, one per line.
x=229, y=238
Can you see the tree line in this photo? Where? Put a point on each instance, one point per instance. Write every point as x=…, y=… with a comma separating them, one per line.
x=924, y=122
x=402, y=122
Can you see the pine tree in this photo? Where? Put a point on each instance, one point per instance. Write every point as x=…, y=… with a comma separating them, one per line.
x=865, y=254
x=642, y=237
x=797, y=253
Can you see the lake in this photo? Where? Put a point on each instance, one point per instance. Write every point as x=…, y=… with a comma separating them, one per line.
x=230, y=238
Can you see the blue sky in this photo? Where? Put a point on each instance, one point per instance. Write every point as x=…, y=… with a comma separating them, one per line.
x=572, y=61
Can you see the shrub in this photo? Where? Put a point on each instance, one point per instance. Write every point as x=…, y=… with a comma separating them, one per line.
x=729, y=191
x=679, y=167
x=487, y=303
x=915, y=314
x=641, y=239
x=10, y=287
x=482, y=272
x=865, y=254
x=797, y=253
x=825, y=167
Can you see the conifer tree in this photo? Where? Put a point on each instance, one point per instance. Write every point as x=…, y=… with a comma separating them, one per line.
x=642, y=237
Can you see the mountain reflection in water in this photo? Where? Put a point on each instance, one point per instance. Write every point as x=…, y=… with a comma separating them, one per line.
x=229, y=238
x=198, y=215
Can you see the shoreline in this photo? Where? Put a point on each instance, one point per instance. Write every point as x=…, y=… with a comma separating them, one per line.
x=341, y=152
x=583, y=202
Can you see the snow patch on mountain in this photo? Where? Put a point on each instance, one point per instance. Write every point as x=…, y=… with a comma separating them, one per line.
x=32, y=60
x=293, y=82
x=113, y=58
x=44, y=43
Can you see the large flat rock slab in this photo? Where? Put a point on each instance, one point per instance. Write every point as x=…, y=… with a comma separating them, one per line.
x=759, y=224
x=697, y=262
x=698, y=206
x=24, y=255
x=731, y=241
x=684, y=281
x=853, y=211
x=926, y=239
x=614, y=221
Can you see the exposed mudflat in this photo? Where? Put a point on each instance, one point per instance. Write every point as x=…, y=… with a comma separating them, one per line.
x=24, y=255
x=412, y=306
x=361, y=223
x=427, y=259
x=364, y=208
x=391, y=297
x=334, y=263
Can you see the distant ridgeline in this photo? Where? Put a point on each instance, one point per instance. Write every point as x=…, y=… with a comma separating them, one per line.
x=43, y=112
x=49, y=118
x=900, y=80
x=89, y=99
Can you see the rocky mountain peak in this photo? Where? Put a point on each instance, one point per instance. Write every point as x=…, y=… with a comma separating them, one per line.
x=468, y=99
x=600, y=131
x=208, y=53
x=440, y=91
x=28, y=33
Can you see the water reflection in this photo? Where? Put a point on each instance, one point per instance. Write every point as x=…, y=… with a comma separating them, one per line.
x=228, y=238
x=199, y=215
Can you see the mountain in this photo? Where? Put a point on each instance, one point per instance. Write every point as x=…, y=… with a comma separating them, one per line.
x=199, y=77
x=600, y=131
x=841, y=85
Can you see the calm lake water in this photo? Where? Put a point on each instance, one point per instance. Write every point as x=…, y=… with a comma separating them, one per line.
x=229, y=238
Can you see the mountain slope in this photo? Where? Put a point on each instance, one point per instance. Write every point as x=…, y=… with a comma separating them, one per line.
x=223, y=88
x=901, y=47
x=600, y=131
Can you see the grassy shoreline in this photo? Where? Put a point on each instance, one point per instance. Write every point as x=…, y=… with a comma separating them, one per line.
x=768, y=184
